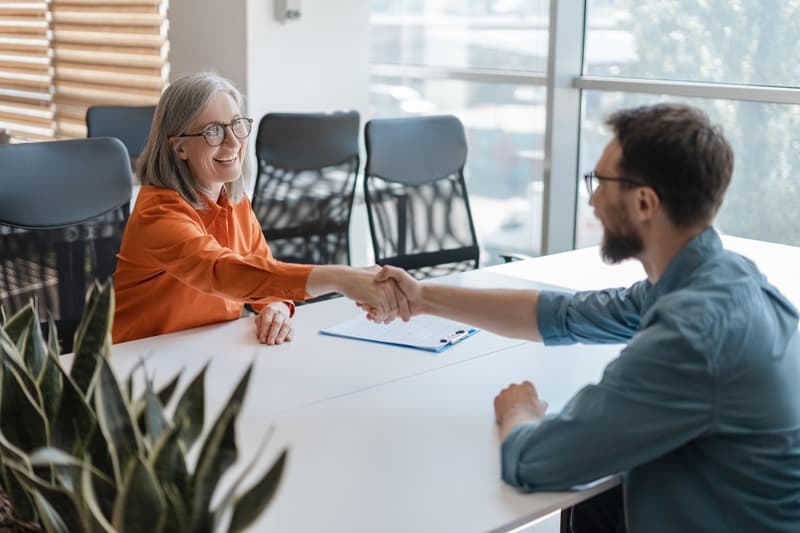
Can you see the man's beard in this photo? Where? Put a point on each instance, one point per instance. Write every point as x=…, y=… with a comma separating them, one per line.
x=621, y=243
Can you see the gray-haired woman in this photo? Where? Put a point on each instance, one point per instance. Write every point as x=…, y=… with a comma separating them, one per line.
x=193, y=252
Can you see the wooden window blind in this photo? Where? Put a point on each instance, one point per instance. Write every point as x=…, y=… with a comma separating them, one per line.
x=58, y=57
x=106, y=52
x=26, y=72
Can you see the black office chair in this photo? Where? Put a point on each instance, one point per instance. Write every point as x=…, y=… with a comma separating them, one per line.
x=417, y=204
x=63, y=207
x=129, y=124
x=307, y=168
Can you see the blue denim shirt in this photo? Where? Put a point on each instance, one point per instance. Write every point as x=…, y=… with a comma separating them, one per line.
x=700, y=411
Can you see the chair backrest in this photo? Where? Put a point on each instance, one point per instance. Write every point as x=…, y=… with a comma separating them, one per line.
x=129, y=124
x=416, y=196
x=63, y=207
x=307, y=169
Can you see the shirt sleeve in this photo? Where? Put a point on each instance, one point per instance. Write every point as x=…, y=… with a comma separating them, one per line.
x=259, y=247
x=656, y=396
x=173, y=239
x=606, y=316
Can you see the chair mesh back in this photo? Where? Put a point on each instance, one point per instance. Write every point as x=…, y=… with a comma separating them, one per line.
x=419, y=220
x=305, y=213
x=56, y=266
x=63, y=207
x=307, y=168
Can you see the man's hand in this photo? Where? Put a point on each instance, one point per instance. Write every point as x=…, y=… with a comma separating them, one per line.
x=273, y=324
x=408, y=286
x=518, y=404
x=384, y=301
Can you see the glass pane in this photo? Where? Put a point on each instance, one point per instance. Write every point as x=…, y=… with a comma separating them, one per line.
x=743, y=42
x=491, y=34
x=505, y=137
x=761, y=202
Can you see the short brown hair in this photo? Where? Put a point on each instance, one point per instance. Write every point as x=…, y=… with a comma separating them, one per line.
x=182, y=101
x=676, y=150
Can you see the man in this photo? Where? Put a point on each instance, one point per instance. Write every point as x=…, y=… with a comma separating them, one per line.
x=700, y=411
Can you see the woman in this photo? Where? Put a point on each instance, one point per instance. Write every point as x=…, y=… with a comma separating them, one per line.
x=193, y=252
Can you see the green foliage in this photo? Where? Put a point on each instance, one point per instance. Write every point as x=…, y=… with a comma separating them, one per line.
x=79, y=453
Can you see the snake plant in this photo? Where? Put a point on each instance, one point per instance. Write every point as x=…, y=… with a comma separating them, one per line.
x=79, y=453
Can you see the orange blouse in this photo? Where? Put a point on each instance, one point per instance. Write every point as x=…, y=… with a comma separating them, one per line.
x=181, y=268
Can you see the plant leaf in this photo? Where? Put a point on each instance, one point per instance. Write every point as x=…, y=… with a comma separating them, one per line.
x=34, y=350
x=60, y=502
x=115, y=420
x=224, y=510
x=156, y=424
x=52, y=336
x=140, y=497
x=50, y=518
x=218, y=453
x=169, y=461
x=165, y=393
x=74, y=419
x=20, y=498
x=16, y=326
x=21, y=419
x=99, y=518
x=190, y=411
x=177, y=515
x=93, y=336
x=51, y=386
x=250, y=505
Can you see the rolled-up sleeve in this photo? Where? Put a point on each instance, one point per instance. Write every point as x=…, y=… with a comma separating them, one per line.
x=655, y=397
x=607, y=316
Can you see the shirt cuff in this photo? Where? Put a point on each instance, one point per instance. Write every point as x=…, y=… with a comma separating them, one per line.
x=551, y=317
x=510, y=452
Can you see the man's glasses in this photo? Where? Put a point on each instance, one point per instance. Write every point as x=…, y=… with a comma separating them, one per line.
x=592, y=181
x=215, y=133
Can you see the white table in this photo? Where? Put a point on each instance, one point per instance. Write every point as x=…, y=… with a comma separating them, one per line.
x=391, y=439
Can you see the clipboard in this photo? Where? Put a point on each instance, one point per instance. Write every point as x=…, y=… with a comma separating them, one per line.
x=426, y=332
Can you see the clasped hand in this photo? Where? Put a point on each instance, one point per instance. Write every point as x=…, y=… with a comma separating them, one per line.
x=402, y=295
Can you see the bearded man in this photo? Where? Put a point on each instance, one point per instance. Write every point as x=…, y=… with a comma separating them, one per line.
x=700, y=412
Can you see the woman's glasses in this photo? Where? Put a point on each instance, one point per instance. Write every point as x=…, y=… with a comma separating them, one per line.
x=214, y=134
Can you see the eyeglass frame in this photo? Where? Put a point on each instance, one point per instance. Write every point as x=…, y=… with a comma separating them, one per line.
x=592, y=175
x=224, y=131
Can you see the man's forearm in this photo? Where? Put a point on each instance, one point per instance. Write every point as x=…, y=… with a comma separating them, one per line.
x=511, y=313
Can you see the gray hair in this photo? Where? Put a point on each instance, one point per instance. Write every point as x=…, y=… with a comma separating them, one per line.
x=180, y=104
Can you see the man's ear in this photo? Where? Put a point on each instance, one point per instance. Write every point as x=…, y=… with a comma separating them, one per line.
x=176, y=143
x=646, y=203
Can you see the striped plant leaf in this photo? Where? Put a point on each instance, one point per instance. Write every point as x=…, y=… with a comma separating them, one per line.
x=100, y=522
x=155, y=422
x=218, y=453
x=22, y=420
x=16, y=326
x=190, y=411
x=93, y=337
x=34, y=348
x=140, y=497
x=75, y=420
x=253, y=502
x=116, y=421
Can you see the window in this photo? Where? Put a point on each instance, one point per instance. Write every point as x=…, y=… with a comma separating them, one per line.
x=58, y=57
x=733, y=54
x=482, y=61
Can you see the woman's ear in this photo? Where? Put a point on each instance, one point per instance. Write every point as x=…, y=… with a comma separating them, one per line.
x=176, y=143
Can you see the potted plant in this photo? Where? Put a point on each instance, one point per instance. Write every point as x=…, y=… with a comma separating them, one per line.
x=78, y=452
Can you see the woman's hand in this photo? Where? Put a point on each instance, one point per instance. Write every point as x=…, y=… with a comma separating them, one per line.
x=274, y=325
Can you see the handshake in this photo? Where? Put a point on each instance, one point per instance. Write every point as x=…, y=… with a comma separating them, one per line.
x=385, y=293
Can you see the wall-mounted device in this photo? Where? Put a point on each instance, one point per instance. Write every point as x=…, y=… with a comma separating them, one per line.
x=287, y=10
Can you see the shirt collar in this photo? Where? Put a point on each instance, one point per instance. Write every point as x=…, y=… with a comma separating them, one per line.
x=213, y=209
x=692, y=255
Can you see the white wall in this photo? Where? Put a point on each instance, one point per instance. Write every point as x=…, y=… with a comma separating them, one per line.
x=317, y=63
x=208, y=35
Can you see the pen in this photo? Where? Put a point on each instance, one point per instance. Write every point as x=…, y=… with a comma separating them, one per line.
x=455, y=337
